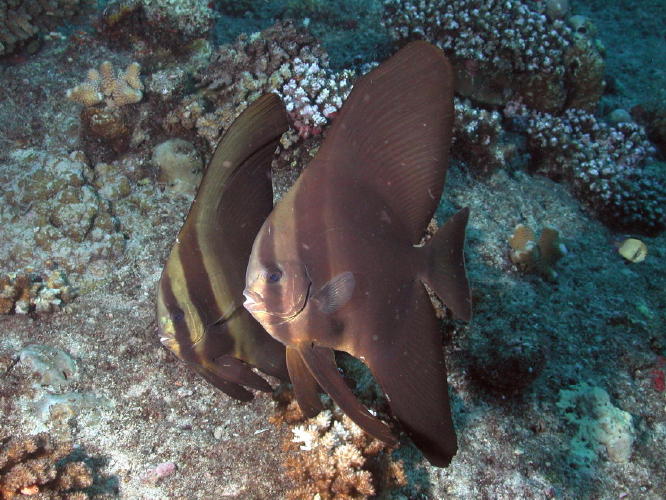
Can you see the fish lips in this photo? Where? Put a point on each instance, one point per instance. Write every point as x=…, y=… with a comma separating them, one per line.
x=256, y=306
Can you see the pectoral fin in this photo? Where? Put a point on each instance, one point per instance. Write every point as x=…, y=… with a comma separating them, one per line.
x=335, y=293
x=305, y=386
x=321, y=363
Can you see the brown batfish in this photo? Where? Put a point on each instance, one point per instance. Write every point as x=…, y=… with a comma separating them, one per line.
x=338, y=264
x=200, y=314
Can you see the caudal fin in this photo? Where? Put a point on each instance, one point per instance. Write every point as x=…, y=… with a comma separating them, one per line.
x=445, y=272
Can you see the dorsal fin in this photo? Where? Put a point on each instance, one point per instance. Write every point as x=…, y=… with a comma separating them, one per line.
x=256, y=129
x=394, y=133
x=234, y=199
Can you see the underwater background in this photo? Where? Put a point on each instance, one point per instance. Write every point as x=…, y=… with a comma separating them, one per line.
x=109, y=112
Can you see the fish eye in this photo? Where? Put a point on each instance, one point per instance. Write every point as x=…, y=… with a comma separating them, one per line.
x=273, y=275
x=177, y=314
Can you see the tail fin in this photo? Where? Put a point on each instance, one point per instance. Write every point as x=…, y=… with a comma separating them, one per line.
x=445, y=272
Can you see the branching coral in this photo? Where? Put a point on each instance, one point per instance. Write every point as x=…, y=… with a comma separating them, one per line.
x=503, y=49
x=478, y=138
x=108, y=87
x=104, y=93
x=22, y=20
x=34, y=465
x=331, y=457
x=335, y=453
x=605, y=165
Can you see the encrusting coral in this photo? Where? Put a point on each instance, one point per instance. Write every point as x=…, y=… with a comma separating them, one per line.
x=34, y=465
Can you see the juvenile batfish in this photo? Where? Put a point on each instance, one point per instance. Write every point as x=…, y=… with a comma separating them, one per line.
x=200, y=314
x=336, y=267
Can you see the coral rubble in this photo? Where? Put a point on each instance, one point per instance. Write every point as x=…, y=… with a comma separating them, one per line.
x=57, y=211
x=22, y=293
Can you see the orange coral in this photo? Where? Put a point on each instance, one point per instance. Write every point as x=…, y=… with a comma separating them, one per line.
x=32, y=465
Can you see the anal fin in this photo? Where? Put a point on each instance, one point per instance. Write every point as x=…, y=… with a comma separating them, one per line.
x=234, y=370
x=229, y=388
x=321, y=363
x=412, y=373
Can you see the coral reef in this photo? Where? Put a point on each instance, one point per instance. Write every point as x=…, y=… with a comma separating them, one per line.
x=190, y=18
x=34, y=465
x=24, y=292
x=606, y=166
x=21, y=21
x=505, y=50
x=280, y=59
x=536, y=256
x=55, y=203
x=157, y=28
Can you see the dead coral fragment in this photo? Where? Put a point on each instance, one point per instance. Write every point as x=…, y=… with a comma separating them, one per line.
x=21, y=293
x=33, y=465
x=536, y=257
x=108, y=87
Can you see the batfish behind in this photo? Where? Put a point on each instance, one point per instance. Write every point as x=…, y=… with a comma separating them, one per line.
x=200, y=312
x=336, y=267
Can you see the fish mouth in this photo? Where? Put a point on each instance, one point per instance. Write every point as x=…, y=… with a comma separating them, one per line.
x=254, y=304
